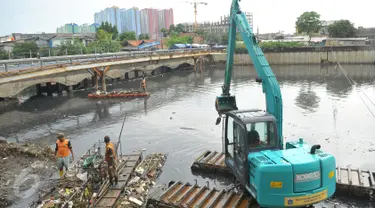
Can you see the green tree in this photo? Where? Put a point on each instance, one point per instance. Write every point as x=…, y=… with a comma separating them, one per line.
x=72, y=47
x=224, y=39
x=309, y=23
x=3, y=55
x=212, y=38
x=180, y=28
x=125, y=36
x=172, y=28
x=341, y=29
x=104, y=43
x=144, y=37
x=164, y=31
x=21, y=50
x=107, y=27
x=114, y=32
x=200, y=32
x=179, y=40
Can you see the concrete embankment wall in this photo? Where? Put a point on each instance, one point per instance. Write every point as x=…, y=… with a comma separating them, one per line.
x=308, y=57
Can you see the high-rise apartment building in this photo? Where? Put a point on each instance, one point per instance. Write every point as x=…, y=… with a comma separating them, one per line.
x=161, y=22
x=144, y=22
x=110, y=15
x=153, y=22
x=165, y=19
x=68, y=28
x=73, y=28
x=168, y=17
x=86, y=28
x=131, y=20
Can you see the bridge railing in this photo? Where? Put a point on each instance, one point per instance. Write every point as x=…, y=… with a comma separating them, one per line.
x=18, y=64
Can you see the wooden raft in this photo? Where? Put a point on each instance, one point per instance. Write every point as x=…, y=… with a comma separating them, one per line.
x=111, y=196
x=352, y=181
x=184, y=195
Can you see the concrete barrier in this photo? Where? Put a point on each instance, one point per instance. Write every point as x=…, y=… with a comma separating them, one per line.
x=307, y=57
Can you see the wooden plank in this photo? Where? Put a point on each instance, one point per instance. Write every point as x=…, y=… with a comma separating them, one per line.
x=214, y=159
x=111, y=196
x=360, y=177
x=372, y=182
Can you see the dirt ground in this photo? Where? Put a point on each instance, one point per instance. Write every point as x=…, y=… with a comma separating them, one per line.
x=24, y=169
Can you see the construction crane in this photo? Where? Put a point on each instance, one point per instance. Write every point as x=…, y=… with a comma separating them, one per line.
x=194, y=3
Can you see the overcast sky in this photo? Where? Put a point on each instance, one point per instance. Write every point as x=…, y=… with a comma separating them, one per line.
x=31, y=16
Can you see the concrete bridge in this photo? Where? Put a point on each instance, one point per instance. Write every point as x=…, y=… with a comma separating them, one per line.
x=55, y=74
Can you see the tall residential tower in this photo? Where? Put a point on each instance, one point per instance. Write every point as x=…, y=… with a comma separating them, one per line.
x=131, y=20
x=110, y=15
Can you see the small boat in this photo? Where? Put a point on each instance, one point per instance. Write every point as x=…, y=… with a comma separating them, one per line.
x=133, y=94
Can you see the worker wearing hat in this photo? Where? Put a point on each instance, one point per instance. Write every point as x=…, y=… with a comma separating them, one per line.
x=62, y=152
x=110, y=158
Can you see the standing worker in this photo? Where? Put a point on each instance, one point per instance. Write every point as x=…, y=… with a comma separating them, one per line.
x=62, y=152
x=143, y=84
x=110, y=158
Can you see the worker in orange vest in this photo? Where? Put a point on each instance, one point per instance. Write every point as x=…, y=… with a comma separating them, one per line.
x=62, y=152
x=143, y=84
x=111, y=158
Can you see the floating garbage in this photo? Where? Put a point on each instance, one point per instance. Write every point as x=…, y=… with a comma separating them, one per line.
x=146, y=174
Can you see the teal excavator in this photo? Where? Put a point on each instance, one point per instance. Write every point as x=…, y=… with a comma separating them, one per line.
x=298, y=175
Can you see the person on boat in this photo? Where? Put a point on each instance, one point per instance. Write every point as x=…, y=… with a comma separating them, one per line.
x=143, y=83
x=62, y=152
x=110, y=158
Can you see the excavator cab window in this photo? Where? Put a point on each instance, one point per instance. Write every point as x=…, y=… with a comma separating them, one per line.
x=261, y=134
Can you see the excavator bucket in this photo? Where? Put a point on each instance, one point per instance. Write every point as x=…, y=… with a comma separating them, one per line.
x=225, y=103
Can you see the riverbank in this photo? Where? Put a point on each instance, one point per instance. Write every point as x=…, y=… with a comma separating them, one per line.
x=23, y=170
x=307, y=55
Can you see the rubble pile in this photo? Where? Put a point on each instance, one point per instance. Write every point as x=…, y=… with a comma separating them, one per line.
x=25, y=150
x=17, y=163
x=145, y=176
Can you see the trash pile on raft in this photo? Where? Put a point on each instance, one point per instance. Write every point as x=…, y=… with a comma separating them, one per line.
x=117, y=93
x=146, y=173
x=17, y=162
x=79, y=185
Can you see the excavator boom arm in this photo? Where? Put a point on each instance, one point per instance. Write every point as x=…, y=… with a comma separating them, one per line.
x=270, y=85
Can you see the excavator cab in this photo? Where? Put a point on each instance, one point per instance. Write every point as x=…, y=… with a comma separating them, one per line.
x=244, y=132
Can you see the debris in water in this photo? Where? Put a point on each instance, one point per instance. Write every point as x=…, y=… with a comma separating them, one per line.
x=146, y=174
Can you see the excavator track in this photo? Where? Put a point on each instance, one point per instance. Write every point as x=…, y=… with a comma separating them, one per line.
x=349, y=181
x=185, y=195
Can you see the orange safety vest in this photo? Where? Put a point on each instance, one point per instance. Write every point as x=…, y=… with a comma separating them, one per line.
x=144, y=83
x=63, y=148
x=112, y=147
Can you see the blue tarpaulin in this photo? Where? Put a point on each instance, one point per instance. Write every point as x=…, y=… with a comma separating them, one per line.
x=146, y=45
x=180, y=46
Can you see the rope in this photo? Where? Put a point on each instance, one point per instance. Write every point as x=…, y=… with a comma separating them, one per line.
x=351, y=81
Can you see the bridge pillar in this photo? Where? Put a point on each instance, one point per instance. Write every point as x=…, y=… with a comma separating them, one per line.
x=104, y=86
x=38, y=89
x=195, y=64
x=59, y=88
x=200, y=64
x=96, y=78
x=70, y=90
x=49, y=89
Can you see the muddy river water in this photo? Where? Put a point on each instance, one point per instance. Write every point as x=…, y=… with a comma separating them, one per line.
x=320, y=105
